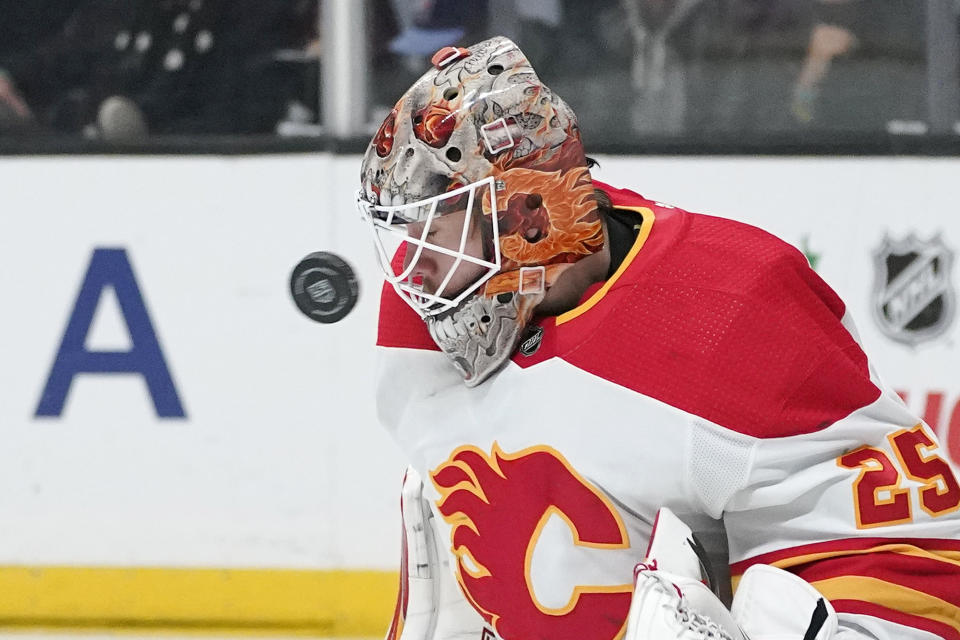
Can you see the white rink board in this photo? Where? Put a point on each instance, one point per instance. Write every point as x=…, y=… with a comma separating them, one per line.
x=280, y=462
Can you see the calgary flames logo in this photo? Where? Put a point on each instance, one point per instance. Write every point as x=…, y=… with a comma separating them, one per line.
x=497, y=506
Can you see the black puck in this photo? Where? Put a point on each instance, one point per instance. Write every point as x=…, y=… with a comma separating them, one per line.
x=324, y=287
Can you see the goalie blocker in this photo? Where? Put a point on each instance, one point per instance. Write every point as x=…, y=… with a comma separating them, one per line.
x=673, y=599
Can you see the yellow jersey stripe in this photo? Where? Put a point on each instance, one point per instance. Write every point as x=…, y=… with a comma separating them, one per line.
x=642, y=235
x=951, y=557
x=891, y=596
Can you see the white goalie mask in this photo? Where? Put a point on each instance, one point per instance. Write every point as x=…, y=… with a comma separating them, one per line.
x=477, y=192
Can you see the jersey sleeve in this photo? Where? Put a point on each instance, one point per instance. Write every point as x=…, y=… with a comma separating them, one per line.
x=847, y=488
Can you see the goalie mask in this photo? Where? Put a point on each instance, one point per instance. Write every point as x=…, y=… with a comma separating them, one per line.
x=478, y=194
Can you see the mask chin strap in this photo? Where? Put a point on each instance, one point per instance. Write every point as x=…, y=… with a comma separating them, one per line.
x=525, y=281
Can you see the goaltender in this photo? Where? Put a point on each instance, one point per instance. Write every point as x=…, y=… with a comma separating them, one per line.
x=564, y=360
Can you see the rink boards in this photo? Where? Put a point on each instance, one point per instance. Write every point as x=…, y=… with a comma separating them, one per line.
x=182, y=448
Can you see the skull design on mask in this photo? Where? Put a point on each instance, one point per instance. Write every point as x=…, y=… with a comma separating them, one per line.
x=478, y=194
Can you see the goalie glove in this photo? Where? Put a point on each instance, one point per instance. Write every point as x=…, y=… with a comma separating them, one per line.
x=770, y=603
x=663, y=608
x=671, y=597
x=674, y=548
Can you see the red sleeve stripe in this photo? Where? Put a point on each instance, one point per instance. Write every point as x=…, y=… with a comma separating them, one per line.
x=803, y=554
x=945, y=562
x=915, y=582
x=935, y=576
x=948, y=629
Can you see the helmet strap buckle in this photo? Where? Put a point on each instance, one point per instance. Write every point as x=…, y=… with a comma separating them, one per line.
x=497, y=136
x=532, y=280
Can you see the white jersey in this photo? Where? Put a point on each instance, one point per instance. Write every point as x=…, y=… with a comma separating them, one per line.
x=716, y=374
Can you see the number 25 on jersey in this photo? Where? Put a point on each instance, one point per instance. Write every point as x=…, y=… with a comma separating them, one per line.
x=878, y=496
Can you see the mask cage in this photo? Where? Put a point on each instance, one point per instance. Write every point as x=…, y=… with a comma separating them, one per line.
x=389, y=225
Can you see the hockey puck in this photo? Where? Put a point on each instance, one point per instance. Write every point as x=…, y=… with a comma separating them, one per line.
x=324, y=287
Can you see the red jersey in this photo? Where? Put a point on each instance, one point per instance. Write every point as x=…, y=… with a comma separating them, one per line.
x=714, y=373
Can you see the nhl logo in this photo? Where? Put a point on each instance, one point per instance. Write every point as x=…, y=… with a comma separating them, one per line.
x=913, y=297
x=322, y=291
x=532, y=341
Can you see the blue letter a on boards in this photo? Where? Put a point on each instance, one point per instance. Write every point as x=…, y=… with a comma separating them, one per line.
x=110, y=267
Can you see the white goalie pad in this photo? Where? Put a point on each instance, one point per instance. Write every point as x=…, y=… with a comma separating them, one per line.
x=430, y=604
x=416, y=615
x=773, y=604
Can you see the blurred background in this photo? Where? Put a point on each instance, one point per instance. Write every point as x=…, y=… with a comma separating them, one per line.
x=683, y=72
x=183, y=452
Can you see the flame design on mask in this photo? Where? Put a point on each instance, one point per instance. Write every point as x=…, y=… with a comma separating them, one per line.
x=434, y=124
x=573, y=228
x=383, y=141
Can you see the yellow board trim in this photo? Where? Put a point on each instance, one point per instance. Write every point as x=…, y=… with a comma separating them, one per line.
x=337, y=603
x=891, y=596
x=645, y=227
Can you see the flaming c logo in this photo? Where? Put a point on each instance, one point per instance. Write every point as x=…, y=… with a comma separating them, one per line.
x=497, y=505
